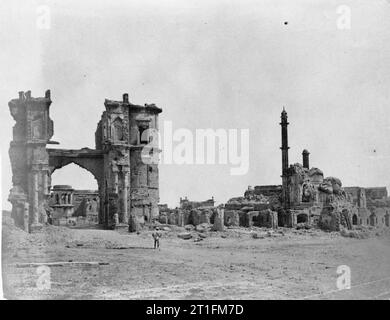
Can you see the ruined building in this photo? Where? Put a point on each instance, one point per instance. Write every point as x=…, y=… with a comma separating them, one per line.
x=187, y=204
x=123, y=161
x=61, y=203
x=306, y=197
x=189, y=212
x=87, y=205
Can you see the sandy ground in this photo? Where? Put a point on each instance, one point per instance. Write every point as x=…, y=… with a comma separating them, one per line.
x=288, y=264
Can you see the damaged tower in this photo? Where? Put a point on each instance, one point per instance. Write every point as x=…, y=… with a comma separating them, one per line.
x=131, y=179
x=29, y=159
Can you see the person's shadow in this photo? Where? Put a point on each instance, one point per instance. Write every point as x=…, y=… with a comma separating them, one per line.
x=128, y=247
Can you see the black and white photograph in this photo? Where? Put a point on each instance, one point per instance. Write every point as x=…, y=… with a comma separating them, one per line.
x=183, y=150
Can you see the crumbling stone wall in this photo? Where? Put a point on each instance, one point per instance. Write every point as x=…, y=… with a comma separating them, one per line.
x=232, y=218
x=379, y=217
x=194, y=217
x=264, y=218
x=219, y=220
x=188, y=205
x=61, y=203
x=338, y=214
x=205, y=215
x=252, y=218
x=268, y=219
x=86, y=204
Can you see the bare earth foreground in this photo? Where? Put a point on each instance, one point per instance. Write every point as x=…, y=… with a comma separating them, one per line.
x=285, y=264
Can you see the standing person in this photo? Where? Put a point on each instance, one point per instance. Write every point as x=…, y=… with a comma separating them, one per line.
x=156, y=236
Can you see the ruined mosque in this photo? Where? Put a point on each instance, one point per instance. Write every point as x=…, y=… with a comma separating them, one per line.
x=305, y=198
x=128, y=186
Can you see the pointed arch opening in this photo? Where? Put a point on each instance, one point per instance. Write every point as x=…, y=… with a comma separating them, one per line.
x=74, y=198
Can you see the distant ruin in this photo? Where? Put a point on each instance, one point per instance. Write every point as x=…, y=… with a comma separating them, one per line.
x=304, y=199
x=187, y=204
x=73, y=207
x=128, y=186
x=308, y=197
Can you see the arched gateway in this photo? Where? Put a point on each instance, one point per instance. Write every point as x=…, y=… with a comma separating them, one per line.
x=127, y=179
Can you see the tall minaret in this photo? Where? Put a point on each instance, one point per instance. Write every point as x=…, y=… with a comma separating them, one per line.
x=305, y=159
x=284, y=123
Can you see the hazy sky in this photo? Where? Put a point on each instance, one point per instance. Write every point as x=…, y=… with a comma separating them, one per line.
x=210, y=64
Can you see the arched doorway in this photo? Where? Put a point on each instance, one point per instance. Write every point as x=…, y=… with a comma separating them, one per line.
x=255, y=220
x=78, y=193
x=282, y=219
x=373, y=219
x=354, y=220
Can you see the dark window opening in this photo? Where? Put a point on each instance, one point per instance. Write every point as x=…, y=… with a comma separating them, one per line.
x=229, y=221
x=255, y=220
x=143, y=136
x=118, y=130
x=301, y=218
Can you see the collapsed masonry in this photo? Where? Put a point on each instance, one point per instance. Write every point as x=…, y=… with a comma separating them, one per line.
x=308, y=197
x=126, y=175
x=71, y=207
x=204, y=212
x=187, y=204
